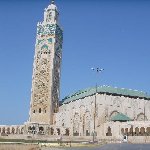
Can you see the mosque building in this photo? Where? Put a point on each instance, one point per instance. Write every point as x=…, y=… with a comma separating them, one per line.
x=101, y=112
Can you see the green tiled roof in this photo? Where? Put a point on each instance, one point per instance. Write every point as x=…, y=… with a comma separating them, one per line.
x=105, y=89
x=120, y=117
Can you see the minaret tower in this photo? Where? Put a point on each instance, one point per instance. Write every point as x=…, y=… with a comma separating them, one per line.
x=46, y=68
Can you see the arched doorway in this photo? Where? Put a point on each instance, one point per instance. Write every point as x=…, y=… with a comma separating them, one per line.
x=8, y=130
x=142, y=131
x=136, y=131
x=3, y=130
x=148, y=131
x=13, y=130
x=109, y=132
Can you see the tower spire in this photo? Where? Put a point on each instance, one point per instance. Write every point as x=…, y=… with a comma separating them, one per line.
x=52, y=1
x=46, y=68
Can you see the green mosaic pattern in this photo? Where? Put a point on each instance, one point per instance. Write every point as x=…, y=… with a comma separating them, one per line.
x=50, y=29
x=46, y=29
x=50, y=40
x=39, y=41
x=105, y=89
x=44, y=47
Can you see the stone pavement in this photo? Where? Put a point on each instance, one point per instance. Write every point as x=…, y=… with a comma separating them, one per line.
x=109, y=147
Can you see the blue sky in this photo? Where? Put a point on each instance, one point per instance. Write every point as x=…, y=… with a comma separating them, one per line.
x=110, y=34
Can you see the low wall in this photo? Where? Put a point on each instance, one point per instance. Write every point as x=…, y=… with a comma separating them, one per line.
x=139, y=139
x=108, y=139
x=46, y=137
x=10, y=146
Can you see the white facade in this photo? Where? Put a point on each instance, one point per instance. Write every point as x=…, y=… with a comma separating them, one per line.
x=78, y=110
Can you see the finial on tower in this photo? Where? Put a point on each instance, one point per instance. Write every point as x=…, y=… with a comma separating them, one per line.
x=53, y=2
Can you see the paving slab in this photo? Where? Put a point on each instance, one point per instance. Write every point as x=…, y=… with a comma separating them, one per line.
x=123, y=146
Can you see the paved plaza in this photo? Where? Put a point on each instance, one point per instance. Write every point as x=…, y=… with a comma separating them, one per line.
x=109, y=147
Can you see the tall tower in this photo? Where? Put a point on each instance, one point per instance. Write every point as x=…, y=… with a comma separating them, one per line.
x=46, y=68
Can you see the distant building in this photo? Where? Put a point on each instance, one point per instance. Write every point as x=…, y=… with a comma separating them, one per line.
x=102, y=112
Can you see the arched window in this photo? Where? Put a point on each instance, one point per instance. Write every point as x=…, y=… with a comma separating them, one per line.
x=22, y=130
x=39, y=110
x=86, y=123
x=41, y=129
x=67, y=132
x=122, y=131
x=17, y=130
x=51, y=131
x=33, y=111
x=76, y=124
x=126, y=131
x=58, y=131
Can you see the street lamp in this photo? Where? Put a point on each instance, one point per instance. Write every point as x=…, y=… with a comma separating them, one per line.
x=98, y=70
x=145, y=103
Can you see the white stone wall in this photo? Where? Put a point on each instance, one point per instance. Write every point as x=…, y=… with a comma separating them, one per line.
x=73, y=114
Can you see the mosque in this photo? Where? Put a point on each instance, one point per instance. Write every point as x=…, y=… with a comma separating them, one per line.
x=101, y=112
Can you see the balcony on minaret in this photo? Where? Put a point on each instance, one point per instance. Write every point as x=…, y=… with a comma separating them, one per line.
x=51, y=14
